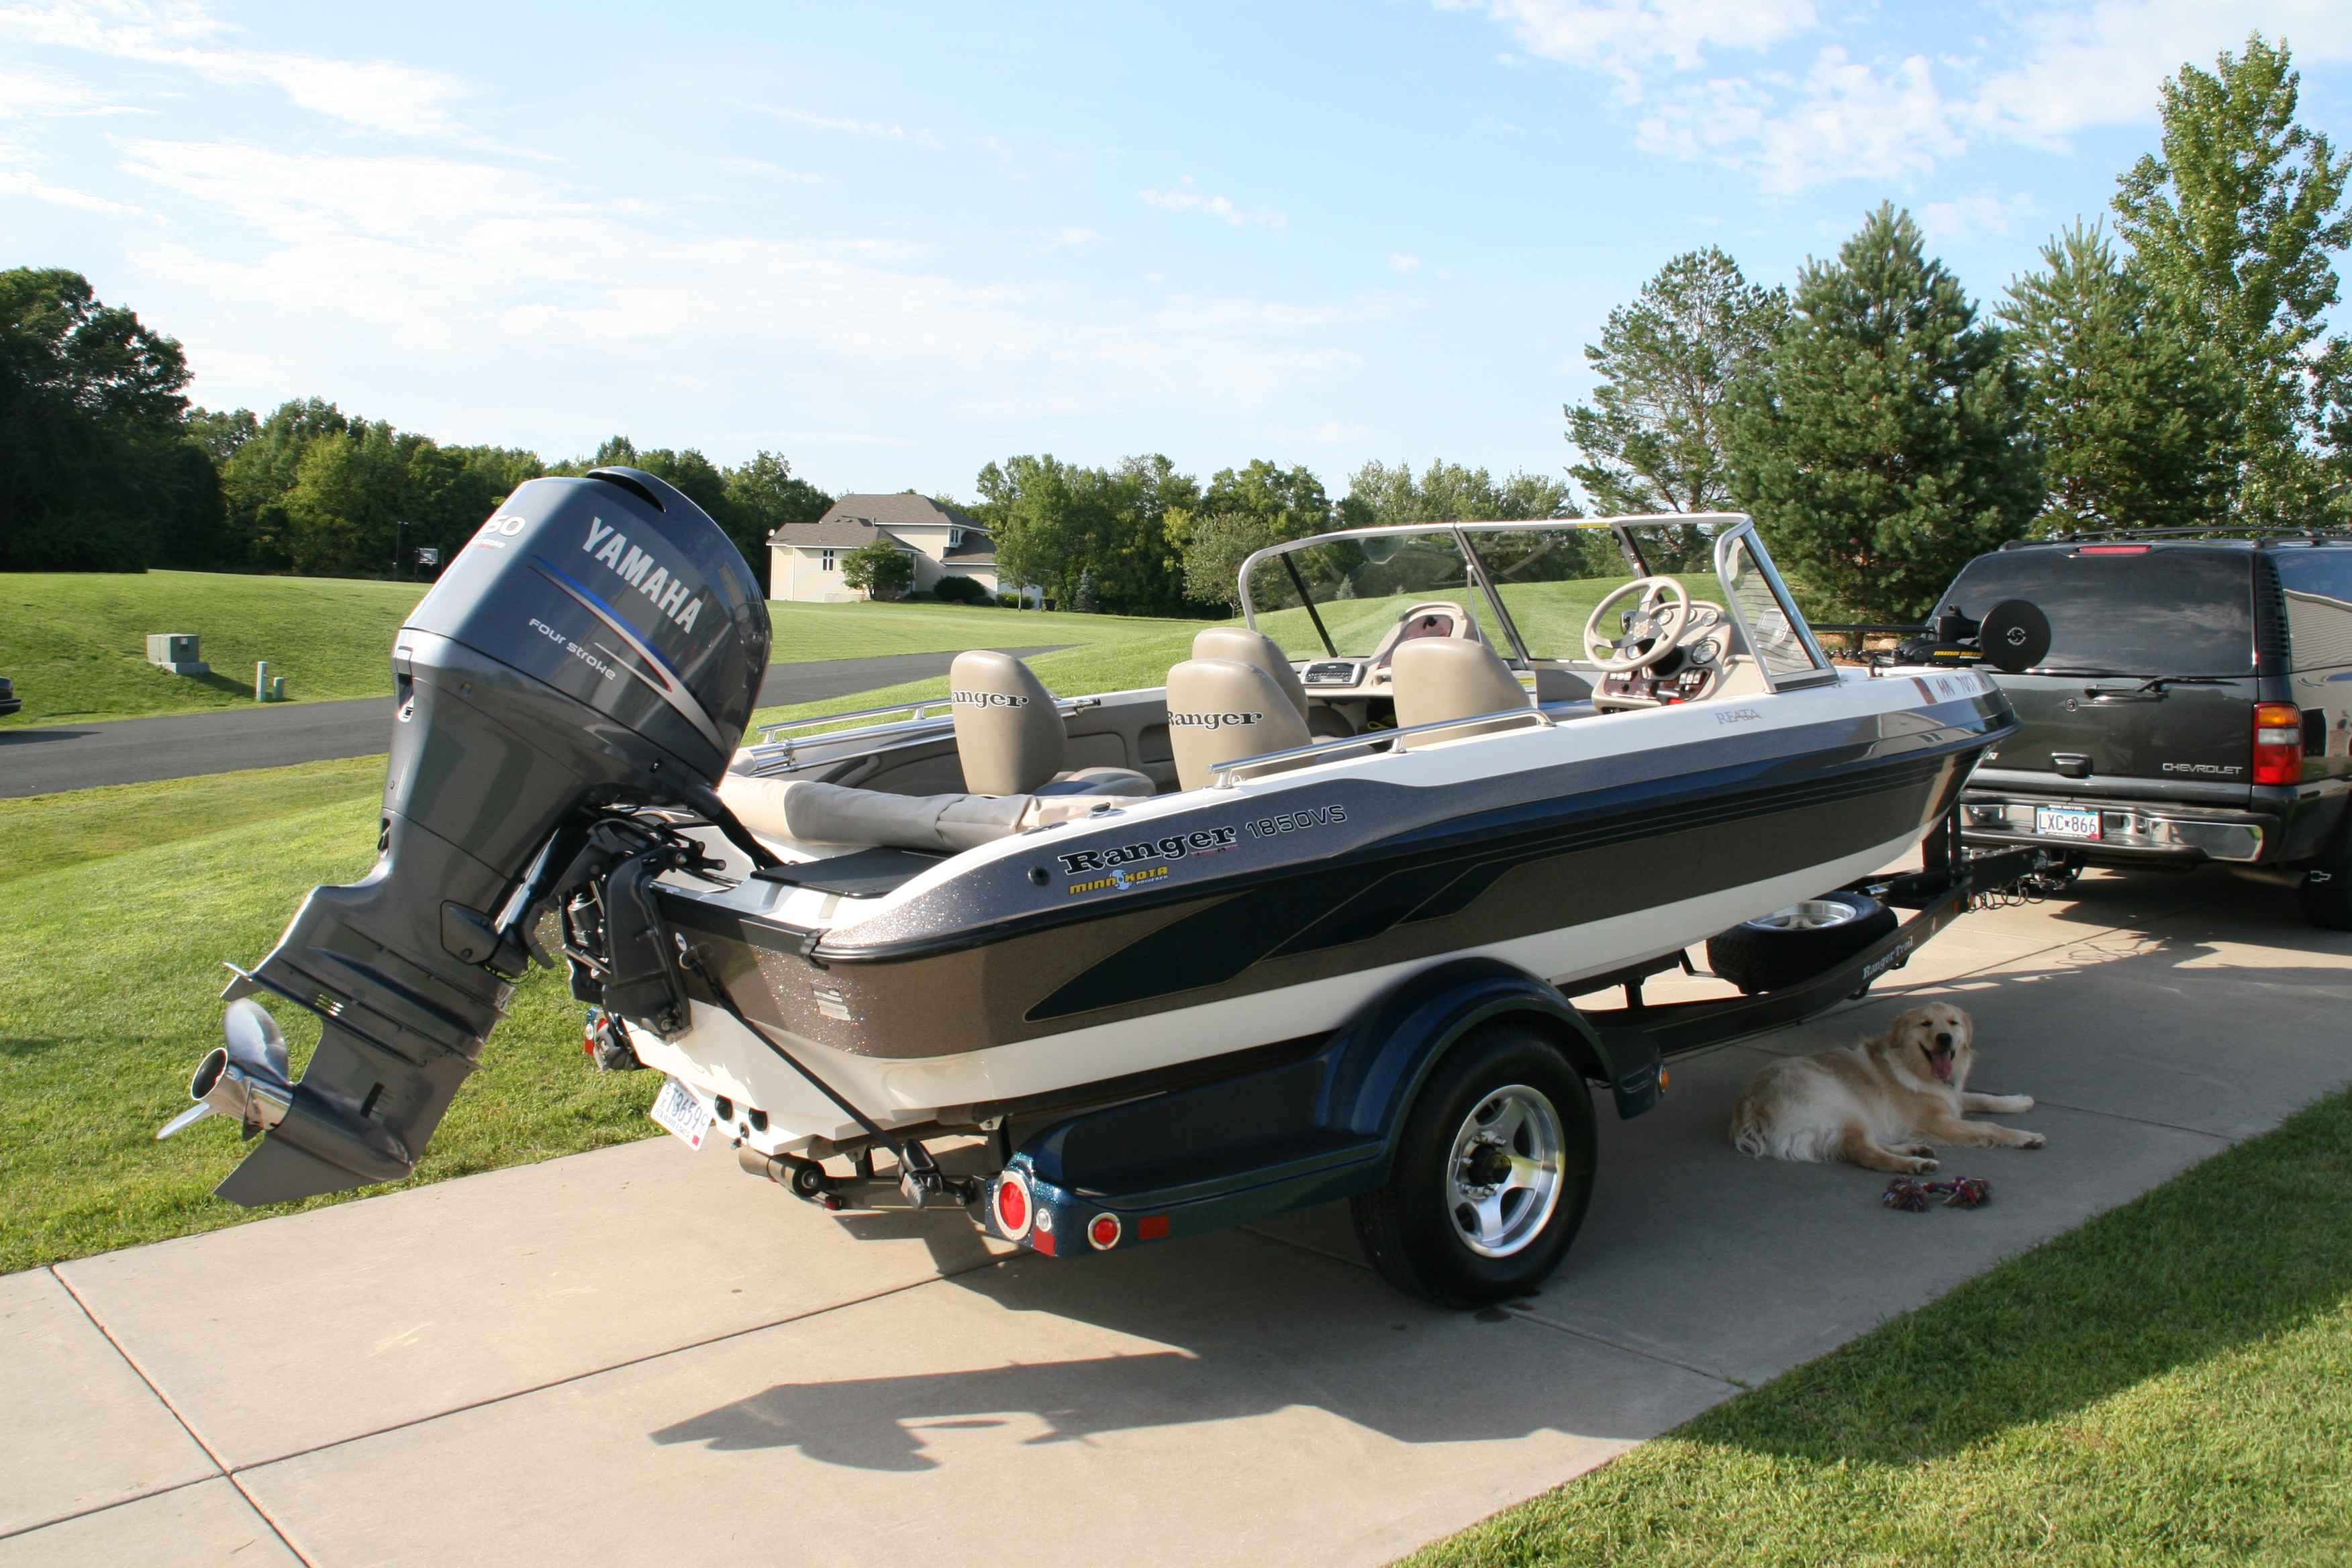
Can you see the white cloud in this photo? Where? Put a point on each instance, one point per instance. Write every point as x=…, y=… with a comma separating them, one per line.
x=489, y=273
x=34, y=188
x=878, y=130
x=1401, y=261
x=34, y=94
x=1973, y=214
x=1187, y=200
x=1622, y=35
x=2041, y=74
x=770, y=171
x=373, y=95
x=1077, y=237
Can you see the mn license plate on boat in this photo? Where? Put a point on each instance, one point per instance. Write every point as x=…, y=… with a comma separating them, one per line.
x=679, y=1113
x=2065, y=821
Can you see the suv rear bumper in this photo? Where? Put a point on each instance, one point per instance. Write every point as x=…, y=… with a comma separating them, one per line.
x=2129, y=833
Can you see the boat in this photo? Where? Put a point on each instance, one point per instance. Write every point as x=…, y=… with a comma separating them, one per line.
x=1421, y=747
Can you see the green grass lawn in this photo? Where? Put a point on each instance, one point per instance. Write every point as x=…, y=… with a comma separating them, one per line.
x=2169, y=1384
x=76, y=643
x=117, y=907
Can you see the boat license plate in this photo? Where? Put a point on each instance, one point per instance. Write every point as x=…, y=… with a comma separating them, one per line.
x=2065, y=822
x=679, y=1113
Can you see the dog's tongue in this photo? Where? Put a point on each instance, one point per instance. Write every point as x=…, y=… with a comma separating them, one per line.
x=1943, y=1069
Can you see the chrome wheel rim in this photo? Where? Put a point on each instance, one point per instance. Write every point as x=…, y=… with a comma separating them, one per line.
x=1812, y=914
x=1503, y=1177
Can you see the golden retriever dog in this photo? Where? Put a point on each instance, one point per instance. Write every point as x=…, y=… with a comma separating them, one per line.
x=1885, y=1103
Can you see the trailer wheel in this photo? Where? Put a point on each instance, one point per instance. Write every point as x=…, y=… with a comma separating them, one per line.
x=1493, y=1173
x=1797, y=943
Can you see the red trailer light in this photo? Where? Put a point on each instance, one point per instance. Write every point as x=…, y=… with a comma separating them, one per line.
x=1013, y=1207
x=2278, y=743
x=1103, y=1231
x=1152, y=1227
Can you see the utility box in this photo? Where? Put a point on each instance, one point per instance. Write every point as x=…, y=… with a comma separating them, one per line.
x=175, y=651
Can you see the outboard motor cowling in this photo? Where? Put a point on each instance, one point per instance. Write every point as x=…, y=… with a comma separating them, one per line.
x=599, y=643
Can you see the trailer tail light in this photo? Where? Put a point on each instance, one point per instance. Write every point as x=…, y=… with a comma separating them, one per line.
x=1103, y=1231
x=2278, y=743
x=1013, y=1206
x=1152, y=1227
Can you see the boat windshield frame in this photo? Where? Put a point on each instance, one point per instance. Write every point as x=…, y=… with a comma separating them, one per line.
x=1731, y=534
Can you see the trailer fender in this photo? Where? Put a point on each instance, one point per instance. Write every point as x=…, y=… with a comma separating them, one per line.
x=1383, y=1055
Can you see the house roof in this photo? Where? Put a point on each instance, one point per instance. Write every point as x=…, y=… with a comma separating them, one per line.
x=884, y=511
x=859, y=520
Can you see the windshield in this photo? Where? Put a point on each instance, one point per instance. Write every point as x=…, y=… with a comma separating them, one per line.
x=1361, y=587
x=2126, y=610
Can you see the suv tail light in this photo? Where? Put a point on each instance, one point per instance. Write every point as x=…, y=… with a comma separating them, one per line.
x=2278, y=743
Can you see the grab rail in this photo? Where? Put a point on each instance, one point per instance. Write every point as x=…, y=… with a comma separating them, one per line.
x=1225, y=775
x=771, y=755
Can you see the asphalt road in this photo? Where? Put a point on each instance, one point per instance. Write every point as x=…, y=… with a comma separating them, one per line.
x=46, y=760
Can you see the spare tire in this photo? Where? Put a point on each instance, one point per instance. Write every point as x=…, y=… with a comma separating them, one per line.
x=1797, y=943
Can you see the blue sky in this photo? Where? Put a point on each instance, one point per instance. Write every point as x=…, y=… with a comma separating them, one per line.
x=896, y=242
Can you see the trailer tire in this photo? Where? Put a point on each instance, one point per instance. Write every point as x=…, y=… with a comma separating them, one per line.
x=1771, y=951
x=1506, y=1094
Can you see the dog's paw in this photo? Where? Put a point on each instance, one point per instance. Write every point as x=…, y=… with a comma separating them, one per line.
x=2032, y=1141
x=1923, y=1151
x=2019, y=1104
x=1921, y=1167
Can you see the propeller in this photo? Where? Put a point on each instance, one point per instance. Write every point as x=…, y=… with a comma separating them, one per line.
x=246, y=1078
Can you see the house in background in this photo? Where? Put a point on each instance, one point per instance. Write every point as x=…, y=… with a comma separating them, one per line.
x=804, y=558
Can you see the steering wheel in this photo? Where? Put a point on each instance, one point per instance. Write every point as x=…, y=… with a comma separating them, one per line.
x=1651, y=624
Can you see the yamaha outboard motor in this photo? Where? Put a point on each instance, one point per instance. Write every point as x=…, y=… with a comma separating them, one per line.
x=597, y=646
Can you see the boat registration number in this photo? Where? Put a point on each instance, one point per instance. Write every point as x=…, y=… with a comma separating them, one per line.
x=2065, y=822
x=678, y=1112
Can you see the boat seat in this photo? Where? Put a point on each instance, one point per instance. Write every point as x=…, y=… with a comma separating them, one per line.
x=807, y=812
x=1220, y=709
x=1438, y=679
x=1244, y=645
x=1012, y=740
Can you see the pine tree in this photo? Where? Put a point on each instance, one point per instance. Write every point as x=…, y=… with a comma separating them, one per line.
x=1886, y=445
x=2233, y=227
x=1086, y=601
x=2137, y=425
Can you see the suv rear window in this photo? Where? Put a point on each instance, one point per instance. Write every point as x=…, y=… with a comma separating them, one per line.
x=2158, y=612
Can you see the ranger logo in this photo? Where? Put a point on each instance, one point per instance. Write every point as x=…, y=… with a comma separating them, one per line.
x=1212, y=720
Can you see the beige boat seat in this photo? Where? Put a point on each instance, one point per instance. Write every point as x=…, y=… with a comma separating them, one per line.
x=807, y=812
x=1222, y=709
x=1244, y=645
x=1012, y=740
x=1438, y=679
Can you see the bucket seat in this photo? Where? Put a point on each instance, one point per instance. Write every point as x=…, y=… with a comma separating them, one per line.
x=1012, y=740
x=1220, y=709
x=1437, y=680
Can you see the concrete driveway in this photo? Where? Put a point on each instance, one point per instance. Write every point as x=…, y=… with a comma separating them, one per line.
x=640, y=1353
x=48, y=759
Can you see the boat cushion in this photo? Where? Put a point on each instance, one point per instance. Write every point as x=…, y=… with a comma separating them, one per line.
x=1009, y=735
x=1440, y=679
x=1099, y=780
x=1220, y=709
x=1247, y=646
x=806, y=811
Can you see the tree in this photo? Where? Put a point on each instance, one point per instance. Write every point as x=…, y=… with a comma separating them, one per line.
x=883, y=571
x=92, y=404
x=2232, y=226
x=1887, y=445
x=258, y=475
x=1655, y=437
x=2137, y=425
x=1242, y=510
x=347, y=501
x=766, y=495
x=1055, y=522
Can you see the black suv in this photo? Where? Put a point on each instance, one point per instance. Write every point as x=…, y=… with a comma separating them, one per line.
x=2195, y=705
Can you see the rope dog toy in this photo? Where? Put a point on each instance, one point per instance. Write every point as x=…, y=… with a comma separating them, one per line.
x=1960, y=1193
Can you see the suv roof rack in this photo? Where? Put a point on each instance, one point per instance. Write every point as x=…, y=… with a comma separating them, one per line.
x=2259, y=535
